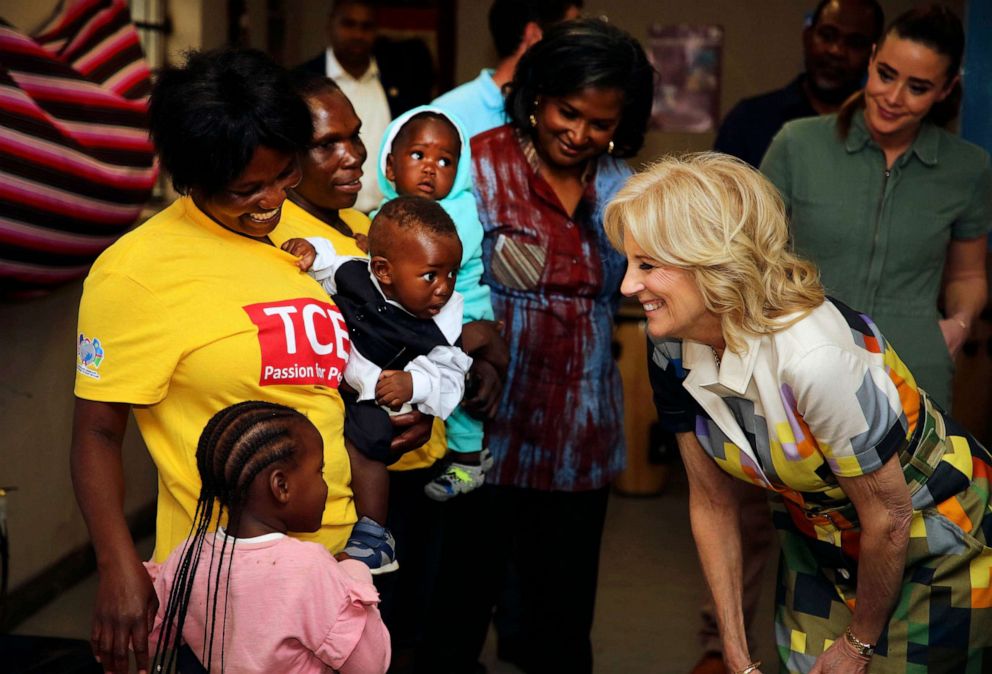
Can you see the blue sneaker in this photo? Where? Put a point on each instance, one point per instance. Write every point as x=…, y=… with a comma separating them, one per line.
x=373, y=545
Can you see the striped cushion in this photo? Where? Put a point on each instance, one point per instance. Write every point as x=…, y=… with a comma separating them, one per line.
x=76, y=163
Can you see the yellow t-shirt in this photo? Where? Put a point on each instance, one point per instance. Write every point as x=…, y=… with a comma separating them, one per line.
x=181, y=318
x=297, y=223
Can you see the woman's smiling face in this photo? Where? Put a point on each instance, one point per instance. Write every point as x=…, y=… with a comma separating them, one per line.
x=905, y=80
x=573, y=129
x=672, y=302
x=252, y=203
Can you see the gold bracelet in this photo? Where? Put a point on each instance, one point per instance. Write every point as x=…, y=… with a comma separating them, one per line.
x=750, y=668
x=865, y=650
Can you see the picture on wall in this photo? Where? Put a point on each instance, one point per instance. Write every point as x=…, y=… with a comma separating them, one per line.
x=687, y=92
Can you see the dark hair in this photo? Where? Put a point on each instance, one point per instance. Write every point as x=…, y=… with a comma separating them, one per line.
x=208, y=117
x=426, y=115
x=237, y=444
x=879, y=16
x=509, y=18
x=307, y=83
x=939, y=28
x=407, y=213
x=576, y=55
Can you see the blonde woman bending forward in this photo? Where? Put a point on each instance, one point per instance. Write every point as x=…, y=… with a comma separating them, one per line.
x=880, y=499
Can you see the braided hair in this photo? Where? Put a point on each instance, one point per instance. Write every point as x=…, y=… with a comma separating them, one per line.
x=237, y=444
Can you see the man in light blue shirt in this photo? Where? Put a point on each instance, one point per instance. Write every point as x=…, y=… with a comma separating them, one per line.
x=515, y=25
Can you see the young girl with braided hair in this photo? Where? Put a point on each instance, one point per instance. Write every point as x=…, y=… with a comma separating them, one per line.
x=246, y=597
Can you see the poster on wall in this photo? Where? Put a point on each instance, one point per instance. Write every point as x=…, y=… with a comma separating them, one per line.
x=687, y=92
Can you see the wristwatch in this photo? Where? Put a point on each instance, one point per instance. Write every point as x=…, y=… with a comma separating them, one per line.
x=863, y=649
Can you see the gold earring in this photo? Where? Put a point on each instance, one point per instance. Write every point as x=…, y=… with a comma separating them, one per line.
x=609, y=148
x=533, y=119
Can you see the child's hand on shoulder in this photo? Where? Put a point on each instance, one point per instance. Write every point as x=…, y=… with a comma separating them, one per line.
x=302, y=249
x=394, y=388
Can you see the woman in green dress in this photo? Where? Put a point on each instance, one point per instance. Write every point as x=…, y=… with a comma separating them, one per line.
x=894, y=209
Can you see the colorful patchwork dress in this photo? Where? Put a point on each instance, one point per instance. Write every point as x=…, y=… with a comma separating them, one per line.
x=827, y=397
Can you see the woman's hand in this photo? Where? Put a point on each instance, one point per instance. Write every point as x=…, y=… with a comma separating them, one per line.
x=126, y=603
x=124, y=615
x=965, y=289
x=416, y=431
x=840, y=658
x=955, y=333
x=885, y=512
x=491, y=356
x=482, y=339
x=486, y=390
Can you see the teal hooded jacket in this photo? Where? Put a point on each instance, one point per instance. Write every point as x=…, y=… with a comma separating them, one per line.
x=460, y=205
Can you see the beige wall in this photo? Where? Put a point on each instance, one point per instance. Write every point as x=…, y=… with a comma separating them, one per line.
x=310, y=38
x=37, y=341
x=27, y=15
x=200, y=24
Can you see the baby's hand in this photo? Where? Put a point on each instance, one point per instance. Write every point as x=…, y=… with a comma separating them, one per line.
x=302, y=249
x=394, y=388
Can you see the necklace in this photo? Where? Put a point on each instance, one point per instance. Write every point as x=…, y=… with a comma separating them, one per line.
x=716, y=357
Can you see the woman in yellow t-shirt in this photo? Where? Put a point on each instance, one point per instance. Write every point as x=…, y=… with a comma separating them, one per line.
x=198, y=309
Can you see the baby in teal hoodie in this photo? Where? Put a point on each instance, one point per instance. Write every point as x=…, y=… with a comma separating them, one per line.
x=425, y=153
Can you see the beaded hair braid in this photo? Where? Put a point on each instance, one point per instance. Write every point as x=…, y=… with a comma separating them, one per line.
x=237, y=444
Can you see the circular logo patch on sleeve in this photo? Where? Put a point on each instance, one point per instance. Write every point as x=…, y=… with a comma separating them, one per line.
x=89, y=356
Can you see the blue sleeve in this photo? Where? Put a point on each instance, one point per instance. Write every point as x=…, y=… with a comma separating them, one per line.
x=676, y=408
x=611, y=175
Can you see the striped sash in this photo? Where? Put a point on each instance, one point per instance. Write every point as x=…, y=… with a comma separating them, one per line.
x=76, y=162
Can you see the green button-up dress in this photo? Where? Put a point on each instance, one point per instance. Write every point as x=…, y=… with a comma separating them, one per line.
x=880, y=236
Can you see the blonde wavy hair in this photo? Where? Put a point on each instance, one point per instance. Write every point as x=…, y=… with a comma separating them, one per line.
x=717, y=217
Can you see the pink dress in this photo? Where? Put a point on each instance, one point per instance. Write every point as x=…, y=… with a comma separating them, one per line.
x=290, y=607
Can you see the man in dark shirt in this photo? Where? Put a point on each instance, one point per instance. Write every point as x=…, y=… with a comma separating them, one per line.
x=836, y=46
